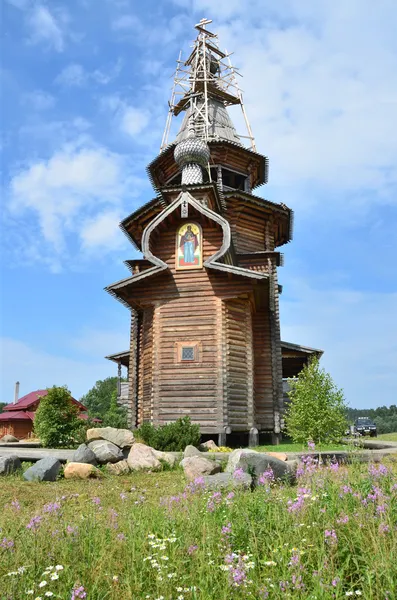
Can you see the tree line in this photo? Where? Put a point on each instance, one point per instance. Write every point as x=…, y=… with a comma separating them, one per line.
x=384, y=417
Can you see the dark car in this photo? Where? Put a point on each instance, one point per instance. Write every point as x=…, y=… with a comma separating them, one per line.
x=364, y=426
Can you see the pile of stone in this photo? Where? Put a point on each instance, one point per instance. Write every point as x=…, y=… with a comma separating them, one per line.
x=244, y=468
x=117, y=450
x=8, y=439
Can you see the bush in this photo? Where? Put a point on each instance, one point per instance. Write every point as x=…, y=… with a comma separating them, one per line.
x=56, y=422
x=317, y=409
x=170, y=437
x=116, y=416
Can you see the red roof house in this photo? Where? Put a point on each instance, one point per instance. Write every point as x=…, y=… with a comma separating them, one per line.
x=17, y=419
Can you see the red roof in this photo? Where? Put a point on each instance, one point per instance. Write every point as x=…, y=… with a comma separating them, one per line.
x=18, y=415
x=31, y=398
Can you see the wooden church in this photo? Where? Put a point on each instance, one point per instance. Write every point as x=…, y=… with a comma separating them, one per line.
x=204, y=299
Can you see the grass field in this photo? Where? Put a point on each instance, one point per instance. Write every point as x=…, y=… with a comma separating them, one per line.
x=388, y=437
x=149, y=536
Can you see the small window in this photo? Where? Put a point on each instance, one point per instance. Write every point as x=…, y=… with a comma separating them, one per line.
x=187, y=353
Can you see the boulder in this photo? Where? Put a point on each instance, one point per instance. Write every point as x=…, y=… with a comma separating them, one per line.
x=279, y=455
x=145, y=457
x=256, y=463
x=105, y=451
x=226, y=480
x=123, y=438
x=7, y=439
x=77, y=470
x=210, y=445
x=9, y=464
x=119, y=468
x=191, y=451
x=198, y=466
x=46, y=469
x=84, y=454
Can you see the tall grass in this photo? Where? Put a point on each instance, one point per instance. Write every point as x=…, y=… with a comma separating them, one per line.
x=150, y=536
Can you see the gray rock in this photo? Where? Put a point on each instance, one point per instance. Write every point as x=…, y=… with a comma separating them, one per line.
x=84, y=454
x=257, y=463
x=210, y=445
x=9, y=464
x=6, y=439
x=105, y=451
x=198, y=466
x=123, y=438
x=46, y=469
x=191, y=451
x=226, y=480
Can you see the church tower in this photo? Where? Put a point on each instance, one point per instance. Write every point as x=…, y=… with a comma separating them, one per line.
x=204, y=299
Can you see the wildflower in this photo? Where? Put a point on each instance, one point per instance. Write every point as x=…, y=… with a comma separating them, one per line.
x=15, y=505
x=34, y=523
x=330, y=536
x=59, y=568
x=270, y=563
x=192, y=549
x=54, y=577
x=78, y=592
x=311, y=445
x=358, y=593
x=121, y=537
x=29, y=592
x=238, y=474
x=48, y=594
x=52, y=507
x=115, y=578
x=7, y=544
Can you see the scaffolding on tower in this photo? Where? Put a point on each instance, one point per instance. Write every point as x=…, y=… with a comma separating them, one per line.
x=207, y=79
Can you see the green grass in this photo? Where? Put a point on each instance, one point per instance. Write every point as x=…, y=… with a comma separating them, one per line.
x=289, y=446
x=145, y=537
x=388, y=437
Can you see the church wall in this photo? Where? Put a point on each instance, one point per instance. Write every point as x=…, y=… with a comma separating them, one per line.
x=263, y=369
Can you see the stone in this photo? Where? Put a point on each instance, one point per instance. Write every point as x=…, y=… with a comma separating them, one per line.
x=123, y=438
x=105, y=451
x=191, y=451
x=145, y=457
x=119, y=468
x=78, y=470
x=84, y=454
x=210, y=445
x=226, y=480
x=198, y=466
x=7, y=439
x=257, y=463
x=279, y=455
x=46, y=469
x=9, y=464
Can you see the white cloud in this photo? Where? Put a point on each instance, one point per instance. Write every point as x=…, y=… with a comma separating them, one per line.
x=356, y=330
x=127, y=22
x=102, y=231
x=72, y=75
x=45, y=28
x=38, y=100
x=77, y=192
x=38, y=369
x=129, y=119
x=320, y=86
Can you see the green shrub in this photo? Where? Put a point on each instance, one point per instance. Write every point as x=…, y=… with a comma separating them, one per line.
x=170, y=437
x=115, y=416
x=317, y=410
x=56, y=422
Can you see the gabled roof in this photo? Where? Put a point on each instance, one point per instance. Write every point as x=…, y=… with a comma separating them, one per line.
x=31, y=399
x=18, y=415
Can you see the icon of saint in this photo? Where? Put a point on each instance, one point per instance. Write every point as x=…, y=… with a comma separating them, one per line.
x=189, y=243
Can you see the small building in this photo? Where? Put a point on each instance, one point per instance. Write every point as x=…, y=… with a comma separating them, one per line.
x=204, y=298
x=17, y=418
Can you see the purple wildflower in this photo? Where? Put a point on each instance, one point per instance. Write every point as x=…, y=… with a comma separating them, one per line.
x=52, y=507
x=7, y=544
x=330, y=536
x=121, y=537
x=238, y=474
x=78, y=592
x=34, y=523
x=311, y=445
x=15, y=505
x=191, y=550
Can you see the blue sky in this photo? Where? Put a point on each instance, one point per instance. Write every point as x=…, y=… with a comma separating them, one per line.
x=85, y=87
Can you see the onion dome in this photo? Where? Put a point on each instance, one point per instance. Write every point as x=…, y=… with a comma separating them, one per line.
x=191, y=154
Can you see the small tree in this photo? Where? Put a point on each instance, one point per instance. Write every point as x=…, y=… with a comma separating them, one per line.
x=56, y=422
x=98, y=398
x=116, y=416
x=317, y=409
